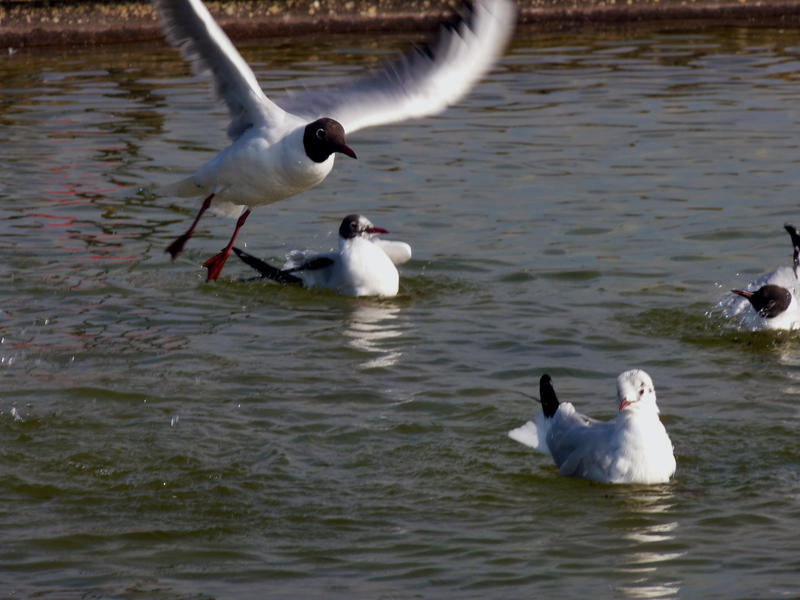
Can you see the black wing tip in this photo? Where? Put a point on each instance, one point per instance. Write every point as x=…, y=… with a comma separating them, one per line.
x=547, y=396
x=267, y=271
x=313, y=264
x=465, y=13
x=792, y=231
x=463, y=16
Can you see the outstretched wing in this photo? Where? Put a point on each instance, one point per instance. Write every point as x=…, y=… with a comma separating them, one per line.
x=422, y=82
x=188, y=25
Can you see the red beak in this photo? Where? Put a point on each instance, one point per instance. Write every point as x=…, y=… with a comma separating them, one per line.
x=623, y=404
x=345, y=149
x=744, y=293
x=377, y=230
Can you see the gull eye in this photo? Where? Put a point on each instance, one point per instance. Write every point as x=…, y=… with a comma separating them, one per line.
x=320, y=133
x=641, y=392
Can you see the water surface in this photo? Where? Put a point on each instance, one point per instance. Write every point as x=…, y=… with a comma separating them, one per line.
x=581, y=213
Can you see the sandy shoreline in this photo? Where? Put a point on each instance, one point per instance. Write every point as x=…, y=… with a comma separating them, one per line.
x=25, y=23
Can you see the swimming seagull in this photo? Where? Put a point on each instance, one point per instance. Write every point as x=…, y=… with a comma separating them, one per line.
x=632, y=448
x=280, y=151
x=773, y=298
x=363, y=266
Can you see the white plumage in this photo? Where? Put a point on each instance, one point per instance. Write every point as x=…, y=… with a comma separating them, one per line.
x=364, y=265
x=280, y=151
x=770, y=302
x=632, y=448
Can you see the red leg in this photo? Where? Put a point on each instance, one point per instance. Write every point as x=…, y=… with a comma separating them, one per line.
x=176, y=247
x=216, y=262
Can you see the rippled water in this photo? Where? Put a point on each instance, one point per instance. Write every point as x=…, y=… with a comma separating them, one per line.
x=581, y=213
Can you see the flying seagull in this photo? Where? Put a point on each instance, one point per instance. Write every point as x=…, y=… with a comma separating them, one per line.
x=278, y=151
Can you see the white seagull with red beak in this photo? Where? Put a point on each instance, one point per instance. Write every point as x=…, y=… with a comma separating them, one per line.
x=632, y=448
x=281, y=150
x=364, y=265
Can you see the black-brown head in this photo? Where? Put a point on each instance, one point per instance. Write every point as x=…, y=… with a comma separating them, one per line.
x=323, y=137
x=769, y=301
x=355, y=225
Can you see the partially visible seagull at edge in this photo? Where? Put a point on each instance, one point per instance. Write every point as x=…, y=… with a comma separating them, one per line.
x=364, y=265
x=771, y=301
x=632, y=448
x=281, y=150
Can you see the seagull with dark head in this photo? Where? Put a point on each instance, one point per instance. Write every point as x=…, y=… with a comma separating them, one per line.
x=771, y=301
x=278, y=151
x=364, y=264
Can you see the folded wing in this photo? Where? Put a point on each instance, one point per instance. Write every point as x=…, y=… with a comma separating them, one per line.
x=579, y=444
